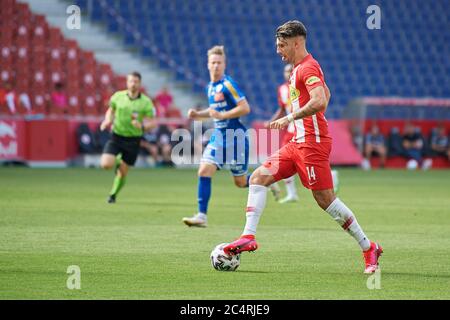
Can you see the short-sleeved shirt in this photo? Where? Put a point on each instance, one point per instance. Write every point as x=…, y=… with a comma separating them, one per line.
x=377, y=140
x=306, y=76
x=224, y=95
x=127, y=109
x=284, y=103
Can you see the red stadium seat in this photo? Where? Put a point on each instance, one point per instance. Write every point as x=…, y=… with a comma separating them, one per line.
x=39, y=101
x=39, y=31
x=72, y=86
x=88, y=60
x=106, y=76
x=7, y=34
x=39, y=79
x=22, y=53
x=38, y=38
x=72, y=56
x=22, y=84
x=73, y=79
x=23, y=35
x=22, y=11
x=73, y=99
x=35, y=56
x=120, y=82
x=7, y=74
x=55, y=38
x=57, y=76
x=56, y=58
x=8, y=8
x=39, y=56
x=6, y=57
x=89, y=80
x=90, y=104
x=22, y=68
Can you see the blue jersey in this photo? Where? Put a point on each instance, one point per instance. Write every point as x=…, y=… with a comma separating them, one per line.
x=222, y=149
x=224, y=95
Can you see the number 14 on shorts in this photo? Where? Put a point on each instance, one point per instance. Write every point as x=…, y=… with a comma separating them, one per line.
x=311, y=175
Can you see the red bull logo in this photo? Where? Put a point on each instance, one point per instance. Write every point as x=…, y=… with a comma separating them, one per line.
x=8, y=142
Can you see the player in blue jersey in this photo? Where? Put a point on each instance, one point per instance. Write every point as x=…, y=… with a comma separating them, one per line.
x=229, y=144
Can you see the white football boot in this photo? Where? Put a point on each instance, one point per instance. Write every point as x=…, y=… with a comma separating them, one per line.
x=199, y=220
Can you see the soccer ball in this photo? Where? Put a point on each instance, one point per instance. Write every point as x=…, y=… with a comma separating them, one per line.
x=223, y=262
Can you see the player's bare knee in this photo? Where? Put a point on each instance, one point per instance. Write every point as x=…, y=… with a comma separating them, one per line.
x=202, y=172
x=205, y=171
x=106, y=165
x=261, y=177
x=240, y=183
x=324, y=198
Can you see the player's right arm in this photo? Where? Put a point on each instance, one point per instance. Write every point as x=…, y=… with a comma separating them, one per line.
x=109, y=115
x=109, y=119
x=281, y=112
x=198, y=115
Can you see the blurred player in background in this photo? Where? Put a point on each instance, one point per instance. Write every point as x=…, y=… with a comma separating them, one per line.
x=283, y=110
x=226, y=104
x=308, y=154
x=130, y=114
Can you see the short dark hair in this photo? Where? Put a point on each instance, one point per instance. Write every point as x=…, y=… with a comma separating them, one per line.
x=136, y=74
x=290, y=29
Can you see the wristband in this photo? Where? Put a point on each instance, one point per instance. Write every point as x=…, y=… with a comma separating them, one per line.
x=290, y=117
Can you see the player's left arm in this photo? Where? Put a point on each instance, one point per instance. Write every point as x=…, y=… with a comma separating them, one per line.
x=242, y=108
x=318, y=102
x=148, y=123
x=237, y=98
x=148, y=120
x=319, y=95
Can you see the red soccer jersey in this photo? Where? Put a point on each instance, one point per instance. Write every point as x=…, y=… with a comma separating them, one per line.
x=283, y=97
x=284, y=103
x=306, y=76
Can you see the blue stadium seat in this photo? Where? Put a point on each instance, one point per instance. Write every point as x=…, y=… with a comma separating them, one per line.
x=356, y=61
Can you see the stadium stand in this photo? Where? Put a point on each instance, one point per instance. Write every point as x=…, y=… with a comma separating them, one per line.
x=393, y=61
x=406, y=59
x=35, y=57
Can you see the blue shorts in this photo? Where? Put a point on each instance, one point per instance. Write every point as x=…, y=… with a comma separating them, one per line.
x=235, y=156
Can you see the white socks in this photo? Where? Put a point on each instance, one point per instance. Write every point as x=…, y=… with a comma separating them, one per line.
x=202, y=216
x=290, y=187
x=344, y=216
x=255, y=205
x=338, y=210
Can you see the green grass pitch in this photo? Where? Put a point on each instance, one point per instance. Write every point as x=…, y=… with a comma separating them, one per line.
x=139, y=249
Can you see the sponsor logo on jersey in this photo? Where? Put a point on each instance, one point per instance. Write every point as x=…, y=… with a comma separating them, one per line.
x=294, y=93
x=219, y=96
x=218, y=104
x=311, y=80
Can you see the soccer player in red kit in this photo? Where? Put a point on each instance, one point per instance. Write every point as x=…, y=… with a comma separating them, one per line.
x=308, y=154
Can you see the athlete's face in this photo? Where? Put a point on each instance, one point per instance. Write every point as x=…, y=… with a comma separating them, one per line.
x=286, y=49
x=133, y=83
x=287, y=72
x=216, y=66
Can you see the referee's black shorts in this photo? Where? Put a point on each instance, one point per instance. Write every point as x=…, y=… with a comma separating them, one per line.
x=127, y=146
